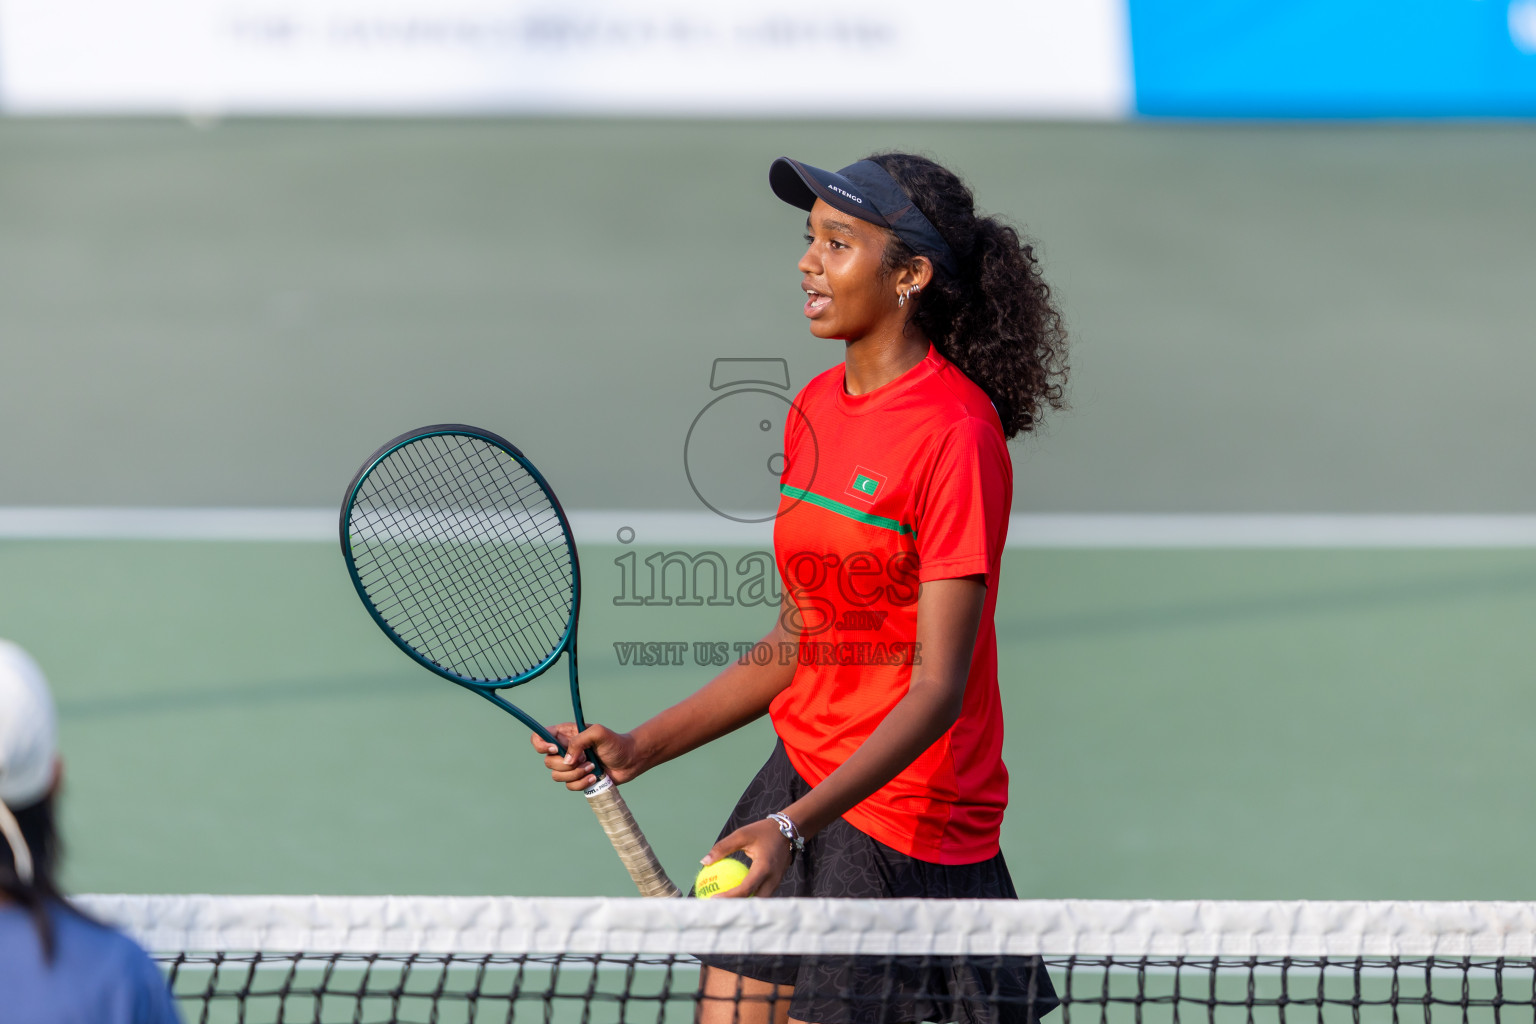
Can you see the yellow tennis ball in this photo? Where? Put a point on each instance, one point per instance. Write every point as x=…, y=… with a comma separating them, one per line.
x=725, y=873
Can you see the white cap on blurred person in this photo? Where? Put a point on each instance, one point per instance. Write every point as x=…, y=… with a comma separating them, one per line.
x=28, y=732
x=28, y=747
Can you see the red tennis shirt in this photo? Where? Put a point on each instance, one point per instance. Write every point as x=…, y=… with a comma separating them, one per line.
x=909, y=483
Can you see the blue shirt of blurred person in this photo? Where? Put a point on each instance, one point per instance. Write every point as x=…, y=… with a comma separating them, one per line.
x=96, y=975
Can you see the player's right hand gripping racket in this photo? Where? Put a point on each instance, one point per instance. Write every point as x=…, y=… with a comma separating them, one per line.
x=463, y=556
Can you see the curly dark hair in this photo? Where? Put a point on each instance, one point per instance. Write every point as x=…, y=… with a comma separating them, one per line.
x=996, y=321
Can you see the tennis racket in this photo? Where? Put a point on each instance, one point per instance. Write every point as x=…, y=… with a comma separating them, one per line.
x=464, y=557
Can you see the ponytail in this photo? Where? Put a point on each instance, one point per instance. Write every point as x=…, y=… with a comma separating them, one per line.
x=995, y=319
x=34, y=894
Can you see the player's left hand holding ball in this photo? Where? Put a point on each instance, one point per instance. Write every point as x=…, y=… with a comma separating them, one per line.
x=765, y=845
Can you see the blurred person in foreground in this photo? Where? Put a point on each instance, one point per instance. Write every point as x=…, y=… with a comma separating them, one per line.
x=56, y=964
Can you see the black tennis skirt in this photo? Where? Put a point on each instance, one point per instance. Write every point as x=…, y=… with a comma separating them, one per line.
x=841, y=861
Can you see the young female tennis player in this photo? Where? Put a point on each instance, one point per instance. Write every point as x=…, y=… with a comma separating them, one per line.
x=887, y=780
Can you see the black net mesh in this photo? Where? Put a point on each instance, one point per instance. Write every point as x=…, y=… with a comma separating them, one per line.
x=462, y=553
x=598, y=989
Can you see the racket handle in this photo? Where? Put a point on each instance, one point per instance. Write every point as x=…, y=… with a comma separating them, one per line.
x=630, y=843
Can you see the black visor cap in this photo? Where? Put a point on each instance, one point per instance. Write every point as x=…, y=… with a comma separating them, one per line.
x=801, y=185
x=866, y=191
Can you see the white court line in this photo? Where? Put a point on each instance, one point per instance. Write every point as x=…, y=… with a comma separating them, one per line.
x=1272, y=531
x=105, y=523
x=703, y=529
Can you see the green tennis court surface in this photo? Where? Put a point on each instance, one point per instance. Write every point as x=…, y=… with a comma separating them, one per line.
x=1215, y=724
x=1283, y=318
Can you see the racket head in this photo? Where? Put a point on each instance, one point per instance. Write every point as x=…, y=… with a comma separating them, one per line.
x=463, y=555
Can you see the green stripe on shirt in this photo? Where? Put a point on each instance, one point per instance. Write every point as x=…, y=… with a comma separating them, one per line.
x=831, y=505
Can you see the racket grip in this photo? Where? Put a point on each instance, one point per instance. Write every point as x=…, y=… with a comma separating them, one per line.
x=630, y=843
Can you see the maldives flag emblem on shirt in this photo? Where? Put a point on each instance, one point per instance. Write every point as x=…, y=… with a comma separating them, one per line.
x=866, y=484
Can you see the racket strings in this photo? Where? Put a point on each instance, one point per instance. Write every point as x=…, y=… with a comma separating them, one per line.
x=551, y=587
x=420, y=589
x=403, y=579
x=473, y=619
x=527, y=604
x=473, y=613
x=482, y=617
x=463, y=554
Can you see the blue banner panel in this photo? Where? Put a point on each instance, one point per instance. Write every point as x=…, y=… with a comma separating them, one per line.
x=1334, y=58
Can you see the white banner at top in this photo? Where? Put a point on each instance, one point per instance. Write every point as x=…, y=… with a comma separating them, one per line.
x=1032, y=58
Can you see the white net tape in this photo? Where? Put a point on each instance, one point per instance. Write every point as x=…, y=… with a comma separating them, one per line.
x=512, y=925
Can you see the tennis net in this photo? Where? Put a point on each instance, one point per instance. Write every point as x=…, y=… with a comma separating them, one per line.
x=615, y=961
